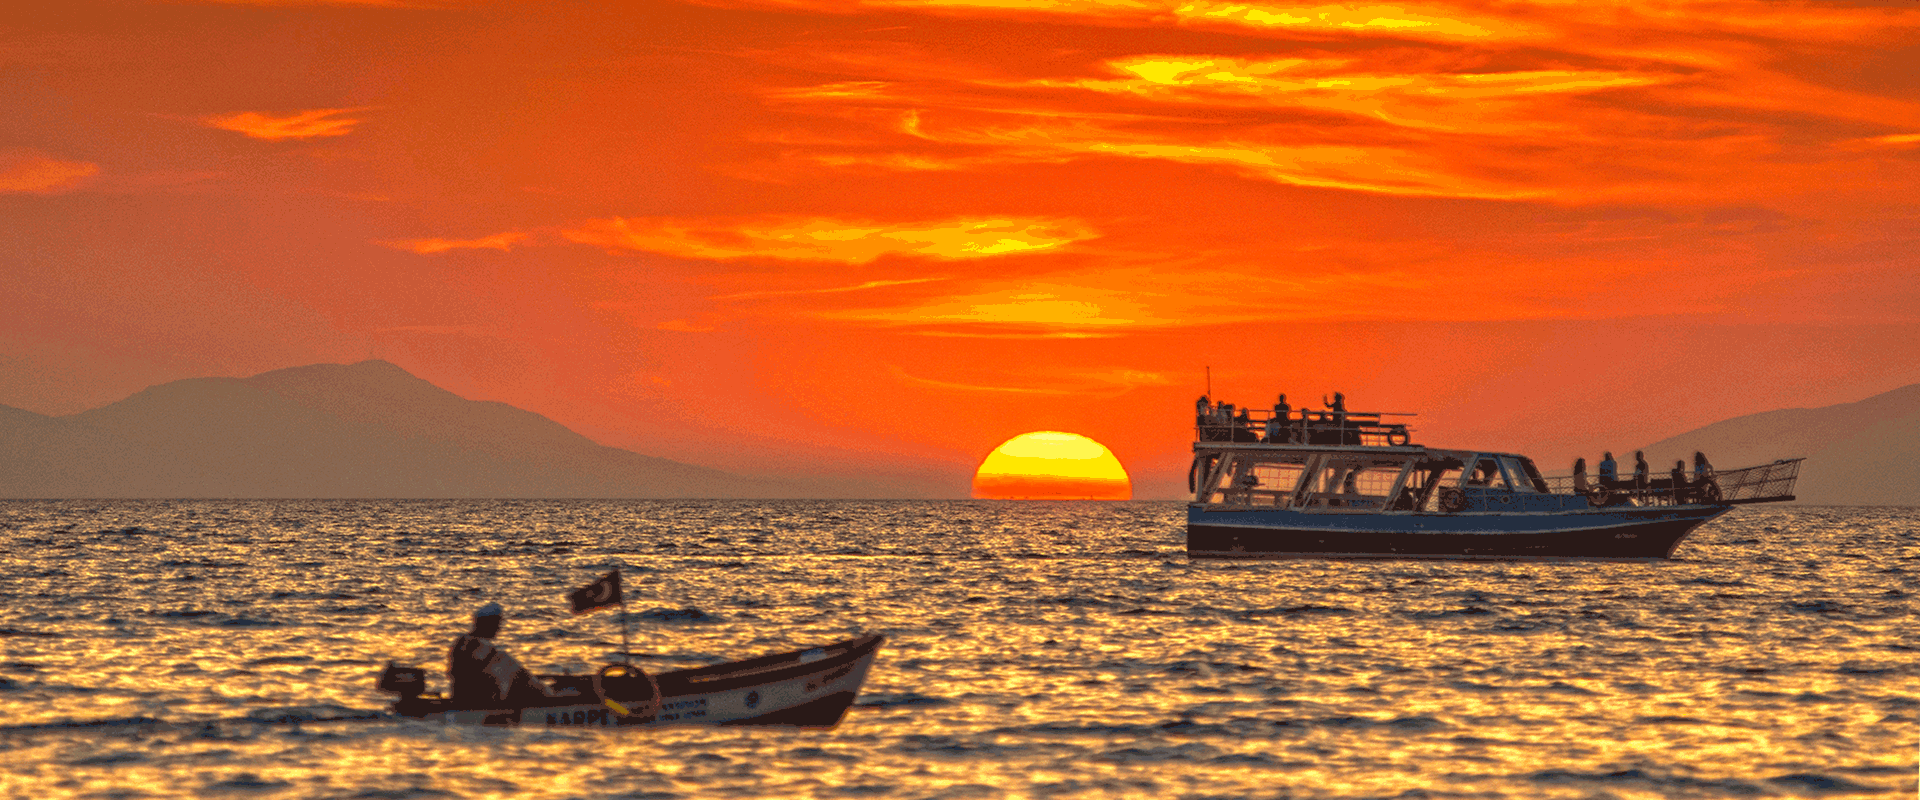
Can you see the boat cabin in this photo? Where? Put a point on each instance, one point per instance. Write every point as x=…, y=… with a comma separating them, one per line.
x=1367, y=478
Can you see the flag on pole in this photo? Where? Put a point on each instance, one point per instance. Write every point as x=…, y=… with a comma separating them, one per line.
x=599, y=594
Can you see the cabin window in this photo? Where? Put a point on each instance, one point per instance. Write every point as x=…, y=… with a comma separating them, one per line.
x=1486, y=472
x=1257, y=483
x=1353, y=485
x=1517, y=474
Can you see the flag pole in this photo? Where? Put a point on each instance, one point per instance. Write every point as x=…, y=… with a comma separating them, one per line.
x=626, y=650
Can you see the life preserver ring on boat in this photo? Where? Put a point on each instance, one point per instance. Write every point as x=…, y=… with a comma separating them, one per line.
x=611, y=676
x=1599, y=497
x=1709, y=492
x=1398, y=437
x=1452, y=500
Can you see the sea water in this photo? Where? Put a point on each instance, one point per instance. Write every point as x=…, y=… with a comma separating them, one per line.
x=194, y=649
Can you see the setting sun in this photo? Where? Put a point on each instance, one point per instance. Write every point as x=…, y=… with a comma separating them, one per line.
x=1051, y=465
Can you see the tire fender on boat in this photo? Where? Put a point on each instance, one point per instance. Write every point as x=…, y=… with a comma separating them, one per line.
x=1599, y=497
x=1452, y=499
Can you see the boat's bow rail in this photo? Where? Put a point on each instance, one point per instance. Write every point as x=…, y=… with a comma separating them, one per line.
x=1762, y=484
x=1766, y=483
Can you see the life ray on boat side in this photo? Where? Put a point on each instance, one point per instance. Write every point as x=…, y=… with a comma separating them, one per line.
x=1340, y=484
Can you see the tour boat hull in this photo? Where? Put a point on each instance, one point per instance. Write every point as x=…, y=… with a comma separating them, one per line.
x=1634, y=532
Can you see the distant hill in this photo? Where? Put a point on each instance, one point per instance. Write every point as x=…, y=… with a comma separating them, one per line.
x=329, y=430
x=1864, y=453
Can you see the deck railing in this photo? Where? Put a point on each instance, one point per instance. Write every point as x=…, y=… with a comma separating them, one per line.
x=1306, y=426
x=1764, y=483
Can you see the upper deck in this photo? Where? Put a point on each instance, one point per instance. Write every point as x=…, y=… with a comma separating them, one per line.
x=1282, y=425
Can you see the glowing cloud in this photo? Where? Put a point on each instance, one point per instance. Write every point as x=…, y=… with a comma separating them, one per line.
x=1436, y=22
x=315, y=123
x=34, y=172
x=499, y=241
x=830, y=239
x=1051, y=465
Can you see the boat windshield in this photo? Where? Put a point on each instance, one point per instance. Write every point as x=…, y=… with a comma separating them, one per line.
x=1517, y=477
x=1486, y=472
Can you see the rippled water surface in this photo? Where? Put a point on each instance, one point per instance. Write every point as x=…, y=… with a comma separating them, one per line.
x=1034, y=650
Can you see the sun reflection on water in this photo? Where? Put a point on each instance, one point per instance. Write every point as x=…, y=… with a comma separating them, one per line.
x=1033, y=649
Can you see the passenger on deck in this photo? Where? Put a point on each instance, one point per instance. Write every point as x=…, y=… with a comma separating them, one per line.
x=1609, y=471
x=1337, y=414
x=1579, y=476
x=1701, y=469
x=1640, y=471
x=1280, y=427
x=1680, y=492
x=484, y=676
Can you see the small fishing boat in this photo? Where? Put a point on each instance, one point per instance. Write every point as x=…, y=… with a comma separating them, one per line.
x=805, y=688
x=1340, y=484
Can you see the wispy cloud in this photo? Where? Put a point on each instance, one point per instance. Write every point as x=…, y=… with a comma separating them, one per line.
x=1080, y=383
x=25, y=171
x=1447, y=99
x=830, y=239
x=499, y=241
x=1896, y=141
x=858, y=287
x=314, y=123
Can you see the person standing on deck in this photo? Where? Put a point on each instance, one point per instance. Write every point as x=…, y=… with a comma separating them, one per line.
x=1580, y=476
x=1609, y=471
x=1640, y=471
x=1701, y=469
x=1278, y=427
x=1679, y=482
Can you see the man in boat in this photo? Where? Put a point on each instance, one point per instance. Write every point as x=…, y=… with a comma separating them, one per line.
x=483, y=675
x=1640, y=470
x=1609, y=471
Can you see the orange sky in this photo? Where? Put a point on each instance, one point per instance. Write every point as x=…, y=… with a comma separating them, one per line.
x=883, y=236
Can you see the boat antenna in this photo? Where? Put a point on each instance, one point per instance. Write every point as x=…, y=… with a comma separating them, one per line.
x=1209, y=380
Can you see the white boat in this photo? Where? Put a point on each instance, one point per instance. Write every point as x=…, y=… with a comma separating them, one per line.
x=806, y=688
x=1339, y=484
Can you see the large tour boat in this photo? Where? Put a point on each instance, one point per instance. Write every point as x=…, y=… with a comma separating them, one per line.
x=1276, y=483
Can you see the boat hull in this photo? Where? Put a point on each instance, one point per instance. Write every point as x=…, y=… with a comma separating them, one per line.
x=1620, y=533
x=809, y=688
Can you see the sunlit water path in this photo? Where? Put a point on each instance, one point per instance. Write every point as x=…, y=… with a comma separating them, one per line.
x=187, y=648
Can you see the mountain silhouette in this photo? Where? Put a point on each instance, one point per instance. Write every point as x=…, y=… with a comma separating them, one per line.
x=1863, y=453
x=329, y=430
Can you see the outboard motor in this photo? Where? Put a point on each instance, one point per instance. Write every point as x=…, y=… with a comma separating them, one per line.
x=408, y=682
